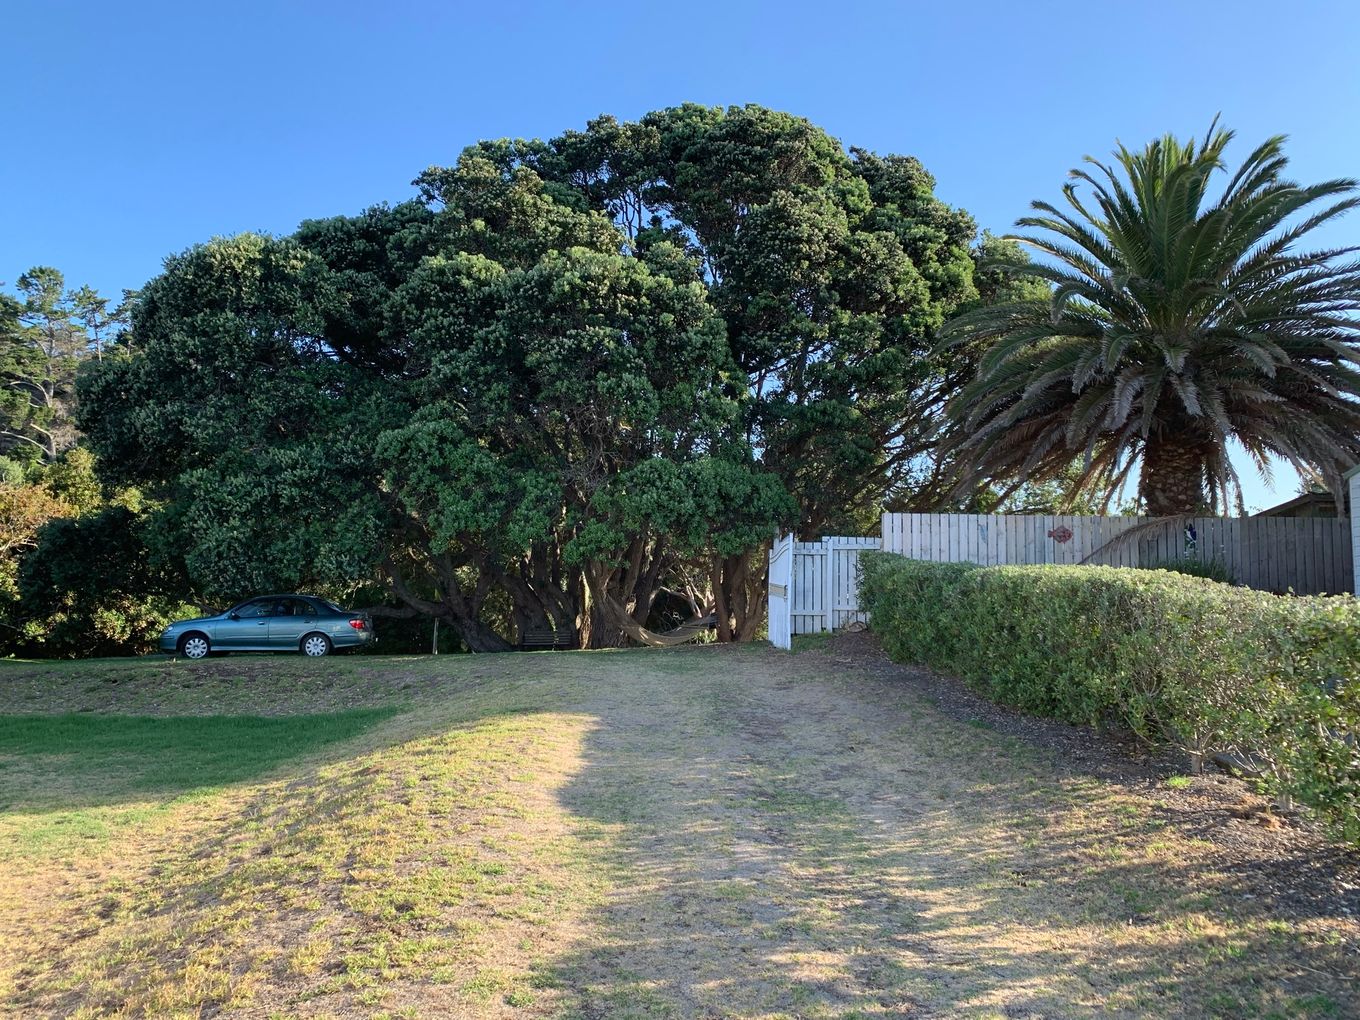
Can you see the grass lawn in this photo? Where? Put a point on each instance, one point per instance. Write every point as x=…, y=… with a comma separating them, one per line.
x=680, y=833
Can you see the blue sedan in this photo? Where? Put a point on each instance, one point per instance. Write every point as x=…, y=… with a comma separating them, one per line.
x=273, y=623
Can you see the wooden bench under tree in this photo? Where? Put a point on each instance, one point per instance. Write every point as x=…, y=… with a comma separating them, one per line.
x=546, y=636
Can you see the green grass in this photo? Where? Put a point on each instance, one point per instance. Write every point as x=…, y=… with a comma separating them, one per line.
x=109, y=758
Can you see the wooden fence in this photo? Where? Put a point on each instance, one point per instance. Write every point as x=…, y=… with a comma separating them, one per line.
x=814, y=585
x=1306, y=555
x=825, y=592
x=781, y=576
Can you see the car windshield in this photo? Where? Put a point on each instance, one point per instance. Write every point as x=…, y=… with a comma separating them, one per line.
x=332, y=606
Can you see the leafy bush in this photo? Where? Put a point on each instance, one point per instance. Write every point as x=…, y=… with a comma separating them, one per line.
x=1206, y=666
x=92, y=586
x=1194, y=566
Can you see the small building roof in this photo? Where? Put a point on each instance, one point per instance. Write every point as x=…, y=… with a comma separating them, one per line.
x=1323, y=501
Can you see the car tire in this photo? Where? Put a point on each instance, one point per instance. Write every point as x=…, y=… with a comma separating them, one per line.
x=315, y=645
x=194, y=645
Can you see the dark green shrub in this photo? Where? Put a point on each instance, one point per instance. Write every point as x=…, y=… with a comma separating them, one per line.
x=1194, y=566
x=1204, y=665
x=93, y=586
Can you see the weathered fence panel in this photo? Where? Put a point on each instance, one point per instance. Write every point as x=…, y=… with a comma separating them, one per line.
x=781, y=577
x=1306, y=555
x=825, y=594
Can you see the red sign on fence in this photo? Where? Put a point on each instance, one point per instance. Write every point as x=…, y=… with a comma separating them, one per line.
x=1062, y=533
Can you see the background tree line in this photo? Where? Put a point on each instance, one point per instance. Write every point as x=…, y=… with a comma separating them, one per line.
x=76, y=574
x=577, y=384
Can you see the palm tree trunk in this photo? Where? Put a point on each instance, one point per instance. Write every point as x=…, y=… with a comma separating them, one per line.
x=1172, y=479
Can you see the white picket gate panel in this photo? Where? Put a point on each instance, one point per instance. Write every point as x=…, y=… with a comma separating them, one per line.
x=822, y=590
x=781, y=577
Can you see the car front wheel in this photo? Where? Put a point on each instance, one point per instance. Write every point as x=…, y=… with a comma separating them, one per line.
x=194, y=646
x=316, y=645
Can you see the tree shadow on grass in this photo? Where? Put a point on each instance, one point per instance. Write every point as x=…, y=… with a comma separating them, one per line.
x=64, y=762
x=778, y=849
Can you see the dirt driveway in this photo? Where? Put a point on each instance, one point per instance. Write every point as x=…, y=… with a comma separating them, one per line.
x=810, y=836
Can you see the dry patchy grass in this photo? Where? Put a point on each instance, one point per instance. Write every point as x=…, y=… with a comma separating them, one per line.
x=698, y=832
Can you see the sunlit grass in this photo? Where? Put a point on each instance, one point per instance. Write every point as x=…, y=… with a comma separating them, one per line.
x=730, y=831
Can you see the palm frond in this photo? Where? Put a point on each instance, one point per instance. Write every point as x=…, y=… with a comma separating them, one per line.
x=1178, y=318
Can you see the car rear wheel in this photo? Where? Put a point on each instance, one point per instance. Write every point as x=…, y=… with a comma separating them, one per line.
x=194, y=646
x=316, y=645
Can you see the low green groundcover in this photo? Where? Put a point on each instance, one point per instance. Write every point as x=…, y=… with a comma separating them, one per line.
x=1207, y=666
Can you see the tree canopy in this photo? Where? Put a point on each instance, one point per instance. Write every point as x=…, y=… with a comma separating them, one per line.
x=577, y=384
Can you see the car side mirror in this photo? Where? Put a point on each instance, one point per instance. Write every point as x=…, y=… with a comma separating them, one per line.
x=235, y=616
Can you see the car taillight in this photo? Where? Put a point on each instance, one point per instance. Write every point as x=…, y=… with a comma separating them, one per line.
x=359, y=624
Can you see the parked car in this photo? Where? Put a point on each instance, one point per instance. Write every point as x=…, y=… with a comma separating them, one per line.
x=272, y=623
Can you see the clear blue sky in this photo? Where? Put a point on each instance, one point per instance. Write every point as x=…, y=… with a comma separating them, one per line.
x=136, y=129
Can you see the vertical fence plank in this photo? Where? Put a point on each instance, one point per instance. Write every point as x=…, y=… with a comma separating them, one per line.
x=1312, y=557
x=1328, y=548
x=1230, y=545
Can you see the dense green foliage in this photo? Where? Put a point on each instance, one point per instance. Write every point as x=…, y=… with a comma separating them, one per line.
x=92, y=586
x=577, y=384
x=1179, y=319
x=44, y=336
x=1210, y=667
x=77, y=572
x=1195, y=566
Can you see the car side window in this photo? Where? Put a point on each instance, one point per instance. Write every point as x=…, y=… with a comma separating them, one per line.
x=297, y=607
x=257, y=609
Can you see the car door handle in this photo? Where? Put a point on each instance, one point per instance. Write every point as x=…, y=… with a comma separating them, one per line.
x=262, y=623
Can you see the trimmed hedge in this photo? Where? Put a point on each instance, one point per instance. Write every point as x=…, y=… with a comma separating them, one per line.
x=1209, y=667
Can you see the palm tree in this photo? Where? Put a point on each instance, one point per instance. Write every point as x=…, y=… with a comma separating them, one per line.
x=1177, y=321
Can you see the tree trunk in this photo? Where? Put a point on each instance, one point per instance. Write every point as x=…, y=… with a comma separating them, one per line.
x=540, y=597
x=739, y=593
x=616, y=619
x=451, y=606
x=1173, y=471
x=478, y=636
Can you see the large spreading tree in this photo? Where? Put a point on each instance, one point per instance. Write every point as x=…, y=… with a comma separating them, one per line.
x=1181, y=318
x=577, y=384
x=832, y=272
x=483, y=398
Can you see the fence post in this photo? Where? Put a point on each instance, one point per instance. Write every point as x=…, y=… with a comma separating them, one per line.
x=828, y=586
x=779, y=604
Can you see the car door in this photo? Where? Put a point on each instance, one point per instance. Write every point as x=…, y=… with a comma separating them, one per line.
x=292, y=619
x=250, y=630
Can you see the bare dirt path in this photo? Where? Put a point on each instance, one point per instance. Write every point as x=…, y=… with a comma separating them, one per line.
x=807, y=836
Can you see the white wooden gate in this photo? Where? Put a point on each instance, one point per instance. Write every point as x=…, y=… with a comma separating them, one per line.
x=825, y=592
x=781, y=577
x=814, y=586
